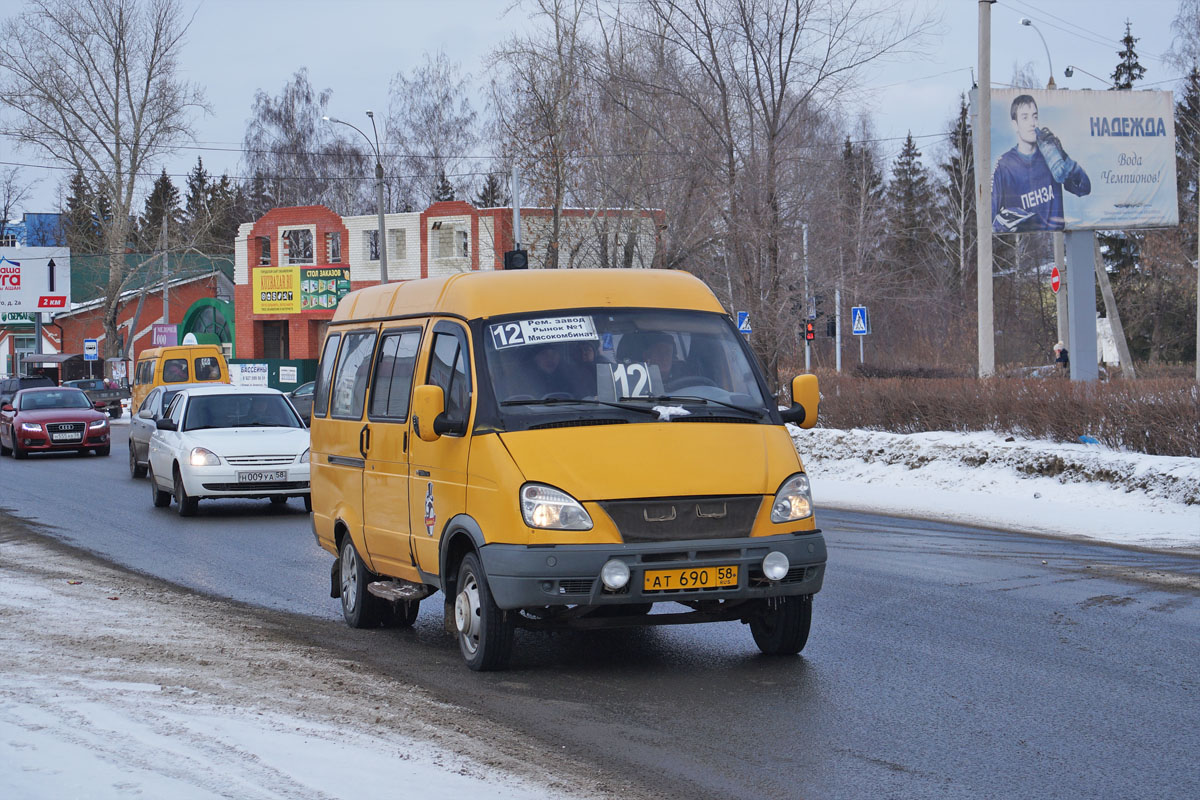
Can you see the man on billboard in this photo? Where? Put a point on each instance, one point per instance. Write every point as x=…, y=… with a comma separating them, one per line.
x=1028, y=184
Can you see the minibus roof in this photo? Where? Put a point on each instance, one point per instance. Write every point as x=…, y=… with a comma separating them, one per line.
x=475, y=295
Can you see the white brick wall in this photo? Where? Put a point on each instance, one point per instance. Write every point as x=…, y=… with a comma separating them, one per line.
x=241, y=270
x=356, y=252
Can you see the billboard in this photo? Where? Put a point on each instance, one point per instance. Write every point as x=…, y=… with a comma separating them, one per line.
x=1082, y=160
x=291, y=290
x=35, y=279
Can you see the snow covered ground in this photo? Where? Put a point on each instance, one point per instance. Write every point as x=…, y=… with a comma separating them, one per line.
x=210, y=701
x=1070, y=490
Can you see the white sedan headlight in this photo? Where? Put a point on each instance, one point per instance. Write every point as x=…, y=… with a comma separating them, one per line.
x=545, y=507
x=793, y=500
x=303, y=459
x=203, y=457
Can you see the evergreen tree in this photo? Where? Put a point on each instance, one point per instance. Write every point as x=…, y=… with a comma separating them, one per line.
x=1121, y=249
x=257, y=198
x=1187, y=155
x=223, y=199
x=1128, y=69
x=196, y=212
x=492, y=194
x=442, y=190
x=162, y=204
x=957, y=230
x=910, y=200
x=82, y=233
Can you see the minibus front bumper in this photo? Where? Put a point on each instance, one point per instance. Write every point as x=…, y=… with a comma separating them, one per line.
x=522, y=576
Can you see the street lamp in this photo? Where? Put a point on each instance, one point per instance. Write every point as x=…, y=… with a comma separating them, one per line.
x=383, y=270
x=1070, y=72
x=1027, y=22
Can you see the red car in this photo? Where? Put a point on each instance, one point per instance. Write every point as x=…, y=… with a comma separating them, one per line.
x=50, y=419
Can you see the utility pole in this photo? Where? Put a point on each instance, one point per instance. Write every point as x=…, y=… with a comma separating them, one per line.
x=807, y=302
x=983, y=195
x=516, y=201
x=162, y=246
x=837, y=325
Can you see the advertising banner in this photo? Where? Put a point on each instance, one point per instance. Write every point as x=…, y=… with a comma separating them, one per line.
x=1082, y=160
x=292, y=290
x=322, y=287
x=35, y=279
x=275, y=290
x=164, y=335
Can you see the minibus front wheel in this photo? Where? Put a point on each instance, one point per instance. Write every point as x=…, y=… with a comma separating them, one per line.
x=485, y=632
x=781, y=626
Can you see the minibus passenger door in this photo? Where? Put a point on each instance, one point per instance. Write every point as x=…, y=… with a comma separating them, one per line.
x=338, y=480
x=438, y=469
x=385, y=478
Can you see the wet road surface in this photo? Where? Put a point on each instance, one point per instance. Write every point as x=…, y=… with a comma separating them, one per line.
x=944, y=661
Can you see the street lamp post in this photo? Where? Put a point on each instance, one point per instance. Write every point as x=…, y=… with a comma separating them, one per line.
x=1070, y=72
x=1027, y=22
x=383, y=270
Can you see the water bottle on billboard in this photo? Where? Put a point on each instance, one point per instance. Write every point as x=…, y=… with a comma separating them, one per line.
x=1051, y=150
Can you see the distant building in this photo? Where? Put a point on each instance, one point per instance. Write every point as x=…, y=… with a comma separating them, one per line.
x=293, y=264
x=33, y=230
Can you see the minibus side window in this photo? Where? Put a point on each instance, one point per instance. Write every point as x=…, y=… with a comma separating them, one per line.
x=321, y=390
x=350, y=379
x=393, y=379
x=448, y=369
x=175, y=370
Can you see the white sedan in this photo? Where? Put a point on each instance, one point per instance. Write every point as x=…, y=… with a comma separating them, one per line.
x=228, y=441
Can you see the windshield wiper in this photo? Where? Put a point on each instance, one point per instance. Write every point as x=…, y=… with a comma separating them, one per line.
x=676, y=398
x=554, y=401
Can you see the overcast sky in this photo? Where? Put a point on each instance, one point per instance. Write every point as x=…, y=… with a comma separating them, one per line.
x=354, y=47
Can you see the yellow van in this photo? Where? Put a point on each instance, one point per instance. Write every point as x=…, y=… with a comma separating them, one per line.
x=184, y=363
x=559, y=449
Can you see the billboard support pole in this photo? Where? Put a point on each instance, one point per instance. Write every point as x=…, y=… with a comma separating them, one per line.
x=1081, y=312
x=1060, y=299
x=1114, y=316
x=983, y=218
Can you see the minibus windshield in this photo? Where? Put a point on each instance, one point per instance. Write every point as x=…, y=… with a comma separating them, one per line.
x=620, y=362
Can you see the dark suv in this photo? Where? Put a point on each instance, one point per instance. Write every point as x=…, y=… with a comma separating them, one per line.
x=10, y=386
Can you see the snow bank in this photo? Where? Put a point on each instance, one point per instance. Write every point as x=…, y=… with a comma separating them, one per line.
x=1073, y=490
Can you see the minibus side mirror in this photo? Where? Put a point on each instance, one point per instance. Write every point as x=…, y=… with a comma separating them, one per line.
x=428, y=403
x=806, y=397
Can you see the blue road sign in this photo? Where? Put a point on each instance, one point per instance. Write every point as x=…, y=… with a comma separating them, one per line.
x=91, y=350
x=743, y=321
x=860, y=322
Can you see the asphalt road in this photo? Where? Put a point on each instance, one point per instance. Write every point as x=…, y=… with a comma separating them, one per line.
x=944, y=662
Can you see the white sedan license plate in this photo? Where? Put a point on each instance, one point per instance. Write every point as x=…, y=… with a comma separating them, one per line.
x=66, y=437
x=265, y=476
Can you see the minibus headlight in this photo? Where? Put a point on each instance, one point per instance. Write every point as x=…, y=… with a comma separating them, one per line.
x=552, y=509
x=793, y=500
x=203, y=457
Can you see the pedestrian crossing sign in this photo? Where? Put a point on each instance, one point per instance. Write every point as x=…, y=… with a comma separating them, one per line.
x=860, y=322
x=743, y=321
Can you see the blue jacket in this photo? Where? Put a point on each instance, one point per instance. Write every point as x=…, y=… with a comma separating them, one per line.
x=1023, y=185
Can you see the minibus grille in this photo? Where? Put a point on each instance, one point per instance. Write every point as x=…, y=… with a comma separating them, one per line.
x=674, y=519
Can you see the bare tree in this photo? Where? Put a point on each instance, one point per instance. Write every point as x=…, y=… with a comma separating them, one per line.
x=93, y=85
x=303, y=160
x=430, y=131
x=536, y=97
x=14, y=191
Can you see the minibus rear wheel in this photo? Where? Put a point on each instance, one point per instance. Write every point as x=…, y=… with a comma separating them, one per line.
x=485, y=632
x=783, y=624
x=360, y=608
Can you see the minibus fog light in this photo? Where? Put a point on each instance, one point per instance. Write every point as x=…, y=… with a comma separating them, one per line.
x=614, y=574
x=776, y=566
x=552, y=509
x=793, y=500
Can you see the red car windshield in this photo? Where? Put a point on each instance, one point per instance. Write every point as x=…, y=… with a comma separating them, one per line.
x=62, y=398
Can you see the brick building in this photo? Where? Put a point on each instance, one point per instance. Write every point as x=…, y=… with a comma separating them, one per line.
x=293, y=264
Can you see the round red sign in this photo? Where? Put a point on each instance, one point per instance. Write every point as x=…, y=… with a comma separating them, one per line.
x=1055, y=280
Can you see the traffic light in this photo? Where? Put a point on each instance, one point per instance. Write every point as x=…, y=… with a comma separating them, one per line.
x=516, y=259
x=831, y=327
x=810, y=331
